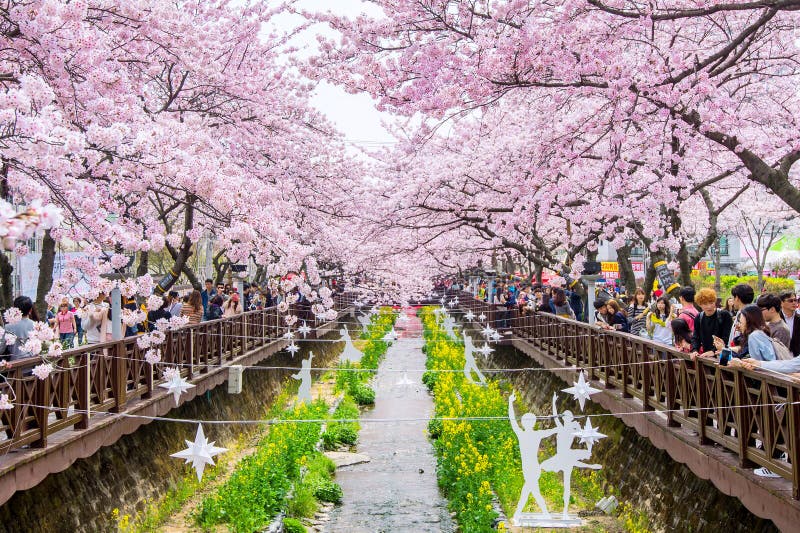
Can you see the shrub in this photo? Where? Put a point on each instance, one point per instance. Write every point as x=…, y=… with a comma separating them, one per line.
x=363, y=395
x=293, y=525
x=328, y=491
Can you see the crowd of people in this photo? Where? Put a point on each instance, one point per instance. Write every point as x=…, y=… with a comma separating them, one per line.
x=79, y=321
x=745, y=330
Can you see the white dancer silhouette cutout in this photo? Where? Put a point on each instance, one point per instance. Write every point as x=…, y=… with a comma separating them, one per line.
x=365, y=321
x=470, y=365
x=304, y=375
x=567, y=457
x=350, y=354
x=448, y=325
x=529, y=441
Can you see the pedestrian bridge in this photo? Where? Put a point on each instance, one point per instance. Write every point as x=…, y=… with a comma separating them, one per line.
x=100, y=392
x=719, y=421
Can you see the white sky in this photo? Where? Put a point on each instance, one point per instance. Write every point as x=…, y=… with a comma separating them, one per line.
x=354, y=115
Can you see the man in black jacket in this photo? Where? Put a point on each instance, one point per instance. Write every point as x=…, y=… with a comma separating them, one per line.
x=789, y=308
x=712, y=322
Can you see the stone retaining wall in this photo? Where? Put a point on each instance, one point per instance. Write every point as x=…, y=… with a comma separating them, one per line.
x=138, y=467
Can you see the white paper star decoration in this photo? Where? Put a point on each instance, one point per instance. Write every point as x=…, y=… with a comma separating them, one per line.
x=481, y=317
x=200, y=452
x=487, y=331
x=469, y=316
x=304, y=329
x=289, y=335
x=589, y=435
x=581, y=390
x=176, y=385
x=496, y=336
x=486, y=350
x=443, y=300
x=452, y=304
x=292, y=348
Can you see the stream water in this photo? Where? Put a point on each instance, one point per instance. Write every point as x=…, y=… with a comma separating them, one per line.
x=397, y=489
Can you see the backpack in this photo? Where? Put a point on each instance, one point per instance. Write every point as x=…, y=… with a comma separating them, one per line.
x=782, y=353
x=690, y=319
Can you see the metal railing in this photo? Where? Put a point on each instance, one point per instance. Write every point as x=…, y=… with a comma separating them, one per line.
x=754, y=414
x=104, y=377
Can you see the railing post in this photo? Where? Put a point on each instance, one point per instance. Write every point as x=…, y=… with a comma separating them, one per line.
x=793, y=452
x=191, y=353
x=671, y=391
x=647, y=375
x=119, y=374
x=702, y=401
x=742, y=417
x=84, y=392
x=626, y=368
x=41, y=412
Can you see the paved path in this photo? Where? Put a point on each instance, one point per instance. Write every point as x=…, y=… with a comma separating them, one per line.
x=397, y=490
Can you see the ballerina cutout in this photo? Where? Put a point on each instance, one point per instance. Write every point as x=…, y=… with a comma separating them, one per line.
x=529, y=442
x=470, y=365
x=567, y=458
x=350, y=354
x=304, y=375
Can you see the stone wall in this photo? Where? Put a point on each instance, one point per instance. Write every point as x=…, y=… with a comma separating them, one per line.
x=138, y=467
x=672, y=497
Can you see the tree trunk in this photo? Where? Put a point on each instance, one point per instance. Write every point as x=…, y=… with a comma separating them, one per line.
x=685, y=265
x=192, y=277
x=626, y=274
x=650, y=277
x=144, y=264
x=181, y=255
x=45, y=282
x=6, y=286
x=539, y=269
x=717, y=274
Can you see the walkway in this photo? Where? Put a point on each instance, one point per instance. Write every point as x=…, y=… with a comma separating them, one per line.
x=397, y=490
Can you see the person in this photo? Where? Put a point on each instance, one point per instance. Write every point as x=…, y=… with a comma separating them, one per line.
x=710, y=323
x=22, y=329
x=77, y=304
x=175, y=304
x=681, y=335
x=770, y=306
x=742, y=295
x=755, y=341
x=215, y=307
x=615, y=318
x=560, y=305
x=637, y=311
x=97, y=320
x=789, y=308
x=65, y=325
x=729, y=306
x=206, y=295
x=659, y=322
x=232, y=306
x=688, y=311
x=499, y=300
x=157, y=314
x=193, y=308
x=600, y=312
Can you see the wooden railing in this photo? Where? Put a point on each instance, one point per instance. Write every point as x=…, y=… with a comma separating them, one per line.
x=104, y=377
x=754, y=414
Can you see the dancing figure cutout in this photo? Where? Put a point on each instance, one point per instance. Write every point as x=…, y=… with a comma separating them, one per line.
x=350, y=354
x=470, y=365
x=304, y=375
x=567, y=458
